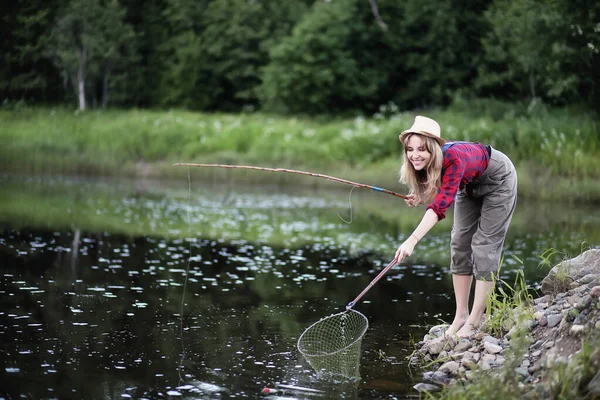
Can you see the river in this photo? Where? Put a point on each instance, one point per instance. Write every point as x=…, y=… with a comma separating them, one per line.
x=119, y=289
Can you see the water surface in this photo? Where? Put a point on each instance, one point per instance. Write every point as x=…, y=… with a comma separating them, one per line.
x=121, y=289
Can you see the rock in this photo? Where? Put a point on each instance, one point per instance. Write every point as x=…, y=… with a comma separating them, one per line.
x=490, y=339
x=543, y=321
x=492, y=348
x=463, y=345
x=435, y=346
x=438, y=330
x=571, y=270
x=595, y=292
x=554, y=320
x=440, y=378
x=589, y=278
x=469, y=363
x=584, y=303
x=572, y=314
x=426, y=387
x=522, y=372
x=577, y=329
x=451, y=367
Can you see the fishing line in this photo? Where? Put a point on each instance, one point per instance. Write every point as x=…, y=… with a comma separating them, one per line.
x=350, y=205
x=187, y=269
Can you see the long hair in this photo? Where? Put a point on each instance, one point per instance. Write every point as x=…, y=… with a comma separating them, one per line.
x=423, y=184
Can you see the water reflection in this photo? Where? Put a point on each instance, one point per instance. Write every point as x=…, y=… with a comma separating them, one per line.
x=93, y=279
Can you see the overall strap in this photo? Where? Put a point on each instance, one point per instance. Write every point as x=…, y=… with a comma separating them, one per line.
x=447, y=145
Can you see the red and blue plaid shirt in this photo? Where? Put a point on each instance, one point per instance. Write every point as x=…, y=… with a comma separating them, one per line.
x=463, y=162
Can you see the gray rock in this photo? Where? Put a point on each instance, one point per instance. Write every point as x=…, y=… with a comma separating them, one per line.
x=451, y=367
x=469, y=363
x=438, y=330
x=571, y=270
x=463, y=345
x=490, y=339
x=426, y=387
x=492, y=348
x=554, y=320
x=584, y=303
x=440, y=378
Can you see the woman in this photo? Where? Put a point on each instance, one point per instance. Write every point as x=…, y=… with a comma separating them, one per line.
x=482, y=183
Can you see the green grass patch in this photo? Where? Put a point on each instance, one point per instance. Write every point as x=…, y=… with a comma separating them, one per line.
x=555, y=150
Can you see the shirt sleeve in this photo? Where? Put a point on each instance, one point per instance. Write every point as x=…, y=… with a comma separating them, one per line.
x=451, y=177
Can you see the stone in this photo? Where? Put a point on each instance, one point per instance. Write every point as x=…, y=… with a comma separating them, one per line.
x=577, y=329
x=587, y=279
x=492, y=348
x=435, y=346
x=584, y=303
x=572, y=314
x=450, y=367
x=543, y=321
x=490, y=339
x=469, y=363
x=522, y=372
x=438, y=330
x=554, y=320
x=463, y=345
x=426, y=387
x=595, y=292
x=440, y=378
x=571, y=270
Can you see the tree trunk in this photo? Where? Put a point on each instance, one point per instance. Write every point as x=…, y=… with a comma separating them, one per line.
x=105, y=91
x=81, y=78
x=532, y=84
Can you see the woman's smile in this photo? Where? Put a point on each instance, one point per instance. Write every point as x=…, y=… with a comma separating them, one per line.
x=417, y=153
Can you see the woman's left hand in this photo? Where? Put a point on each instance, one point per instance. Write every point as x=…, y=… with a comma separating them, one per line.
x=406, y=249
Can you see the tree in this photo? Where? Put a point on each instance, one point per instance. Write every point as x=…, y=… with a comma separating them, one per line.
x=539, y=48
x=25, y=71
x=330, y=62
x=87, y=42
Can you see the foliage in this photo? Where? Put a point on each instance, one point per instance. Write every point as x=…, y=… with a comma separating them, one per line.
x=89, y=43
x=301, y=56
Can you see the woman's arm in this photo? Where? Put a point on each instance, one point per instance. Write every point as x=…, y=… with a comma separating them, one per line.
x=429, y=220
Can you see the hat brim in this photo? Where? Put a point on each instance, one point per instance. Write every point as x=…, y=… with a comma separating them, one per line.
x=407, y=132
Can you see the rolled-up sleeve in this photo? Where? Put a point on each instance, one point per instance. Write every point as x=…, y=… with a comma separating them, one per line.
x=451, y=179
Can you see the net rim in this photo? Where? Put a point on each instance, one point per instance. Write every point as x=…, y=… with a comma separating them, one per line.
x=358, y=338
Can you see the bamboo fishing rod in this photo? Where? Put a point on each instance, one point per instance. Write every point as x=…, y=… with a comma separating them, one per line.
x=293, y=171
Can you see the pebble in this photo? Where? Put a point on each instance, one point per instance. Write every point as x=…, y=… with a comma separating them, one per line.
x=556, y=315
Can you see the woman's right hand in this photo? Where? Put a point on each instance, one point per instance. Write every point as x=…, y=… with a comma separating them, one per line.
x=411, y=200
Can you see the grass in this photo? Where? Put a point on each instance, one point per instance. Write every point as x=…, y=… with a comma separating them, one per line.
x=555, y=150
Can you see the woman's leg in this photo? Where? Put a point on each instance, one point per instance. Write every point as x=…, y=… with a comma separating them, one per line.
x=499, y=191
x=482, y=291
x=466, y=218
x=462, y=290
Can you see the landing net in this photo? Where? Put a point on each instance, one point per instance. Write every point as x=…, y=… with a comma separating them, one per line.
x=332, y=345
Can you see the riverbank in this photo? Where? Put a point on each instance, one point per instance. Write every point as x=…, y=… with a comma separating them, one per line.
x=555, y=151
x=548, y=348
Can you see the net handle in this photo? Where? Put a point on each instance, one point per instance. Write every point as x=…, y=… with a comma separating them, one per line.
x=373, y=282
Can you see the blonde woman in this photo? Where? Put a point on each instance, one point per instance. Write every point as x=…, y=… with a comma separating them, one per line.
x=482, y=183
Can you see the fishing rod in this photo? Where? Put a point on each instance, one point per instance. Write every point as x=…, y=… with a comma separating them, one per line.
x=293, y=171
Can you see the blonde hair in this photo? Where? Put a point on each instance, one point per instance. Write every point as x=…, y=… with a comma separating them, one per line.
x=423, y=184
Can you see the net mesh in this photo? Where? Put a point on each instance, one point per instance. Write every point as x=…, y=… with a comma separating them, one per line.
x=332, y=345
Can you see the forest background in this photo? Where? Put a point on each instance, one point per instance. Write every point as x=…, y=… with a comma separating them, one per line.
x=324, y=85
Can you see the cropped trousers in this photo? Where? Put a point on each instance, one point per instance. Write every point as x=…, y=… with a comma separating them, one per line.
x=482, y=214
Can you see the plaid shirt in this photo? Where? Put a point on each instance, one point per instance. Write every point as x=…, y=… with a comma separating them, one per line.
x=462, y=163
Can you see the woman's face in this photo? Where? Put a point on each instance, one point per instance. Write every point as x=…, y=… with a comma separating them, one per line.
x=417, y=153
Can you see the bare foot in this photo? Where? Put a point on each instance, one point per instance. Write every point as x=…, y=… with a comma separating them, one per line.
x=457, y=324
x=467, y=331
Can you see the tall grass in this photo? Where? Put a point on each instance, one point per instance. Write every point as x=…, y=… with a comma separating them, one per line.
x=545, y=144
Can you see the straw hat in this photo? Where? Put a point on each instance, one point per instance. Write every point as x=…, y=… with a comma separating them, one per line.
x=426, y=127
